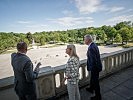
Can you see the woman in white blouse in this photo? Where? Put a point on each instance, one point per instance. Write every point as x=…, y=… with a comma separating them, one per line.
x=72, y=73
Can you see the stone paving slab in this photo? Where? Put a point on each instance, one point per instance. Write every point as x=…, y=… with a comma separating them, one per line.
x=112, y=96
x=108, y=83
x=129, y=84
x=118, y=79
x=123, y=92
x=104, y=88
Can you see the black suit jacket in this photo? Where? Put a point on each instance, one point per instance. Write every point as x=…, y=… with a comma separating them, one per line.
x=93, y=58
x=24, y=74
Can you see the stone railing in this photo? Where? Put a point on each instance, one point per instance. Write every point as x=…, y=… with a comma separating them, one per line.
x=49, y=80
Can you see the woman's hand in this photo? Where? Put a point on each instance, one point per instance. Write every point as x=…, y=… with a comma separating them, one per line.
x=63, y=81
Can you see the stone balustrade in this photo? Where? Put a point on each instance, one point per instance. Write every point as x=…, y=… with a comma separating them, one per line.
x=49, y=85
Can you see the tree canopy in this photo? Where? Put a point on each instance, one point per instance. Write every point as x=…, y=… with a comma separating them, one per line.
x=121, y=32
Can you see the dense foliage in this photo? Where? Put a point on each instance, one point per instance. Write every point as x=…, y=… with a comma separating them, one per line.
x=122, y=32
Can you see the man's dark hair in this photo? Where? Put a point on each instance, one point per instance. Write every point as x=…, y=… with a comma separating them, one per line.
x=21, y=46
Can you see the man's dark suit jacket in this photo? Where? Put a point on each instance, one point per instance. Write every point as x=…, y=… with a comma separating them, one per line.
x=93, y=58
x=24, y=75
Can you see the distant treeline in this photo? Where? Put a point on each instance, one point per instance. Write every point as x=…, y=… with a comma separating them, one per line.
x=121, y=32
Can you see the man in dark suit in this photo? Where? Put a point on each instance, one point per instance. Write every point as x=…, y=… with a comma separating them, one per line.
x=24, y=84
x=94, y=65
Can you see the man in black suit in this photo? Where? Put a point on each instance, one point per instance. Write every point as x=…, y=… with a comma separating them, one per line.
x=24, y=84
x=94, y=65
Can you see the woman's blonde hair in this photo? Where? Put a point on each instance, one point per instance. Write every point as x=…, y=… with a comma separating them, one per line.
x=73, y=50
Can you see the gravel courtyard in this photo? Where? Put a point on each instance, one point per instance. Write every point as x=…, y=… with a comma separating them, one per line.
x=49, y=57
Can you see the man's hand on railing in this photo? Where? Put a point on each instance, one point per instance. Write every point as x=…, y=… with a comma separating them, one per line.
x=37, y=67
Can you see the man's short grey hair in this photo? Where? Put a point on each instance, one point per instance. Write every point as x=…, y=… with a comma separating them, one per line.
x=88, y=37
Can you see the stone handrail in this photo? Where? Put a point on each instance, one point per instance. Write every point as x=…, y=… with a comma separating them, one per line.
x=49, y=80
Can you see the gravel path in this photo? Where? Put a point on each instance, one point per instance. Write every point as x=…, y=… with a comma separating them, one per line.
x=49, y=57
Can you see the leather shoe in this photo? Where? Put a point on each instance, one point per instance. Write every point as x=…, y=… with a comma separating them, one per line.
x=89, y=90
x=96, y=98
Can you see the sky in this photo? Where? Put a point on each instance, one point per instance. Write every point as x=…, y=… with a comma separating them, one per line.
x=22, y=16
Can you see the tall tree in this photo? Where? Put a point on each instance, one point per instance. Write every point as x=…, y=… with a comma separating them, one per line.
x=125, y=34
x=110, y=31
x=64, y=37
x=42, y=40
x=122, y=25
x=56, y=36
x=118, y=38
x=29, y=37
